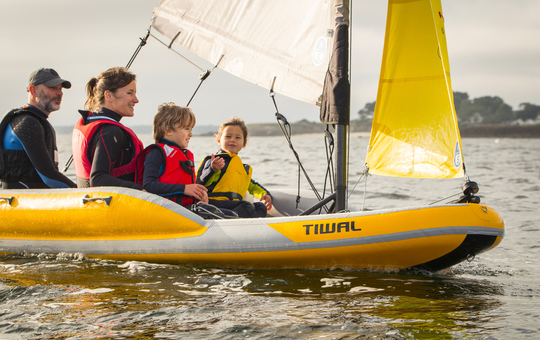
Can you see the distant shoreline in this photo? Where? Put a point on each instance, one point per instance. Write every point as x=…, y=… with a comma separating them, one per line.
x=306, y=127
x=500, y=131
x=467, y=131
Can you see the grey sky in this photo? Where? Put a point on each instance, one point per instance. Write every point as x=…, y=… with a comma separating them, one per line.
x=493, y=49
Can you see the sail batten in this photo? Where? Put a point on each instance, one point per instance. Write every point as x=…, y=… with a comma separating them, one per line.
x=414, y=132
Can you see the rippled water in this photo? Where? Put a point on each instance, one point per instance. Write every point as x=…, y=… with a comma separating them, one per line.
x=495, y=296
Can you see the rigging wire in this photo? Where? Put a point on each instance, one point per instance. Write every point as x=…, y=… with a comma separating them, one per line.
x=128, y=65
x=203, y=76
x=204, y=73
x=141, y=44
x=286, y=130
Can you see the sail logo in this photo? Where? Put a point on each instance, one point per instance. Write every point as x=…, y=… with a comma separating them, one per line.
x=457, y=156
x=330, y=228
x=319, y=51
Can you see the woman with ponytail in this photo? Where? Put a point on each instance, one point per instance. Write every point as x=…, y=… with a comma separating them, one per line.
x=104, y=150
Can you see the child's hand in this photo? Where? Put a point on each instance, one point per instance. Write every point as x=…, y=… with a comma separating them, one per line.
x=198, y=191
x=217, y=163
x=267, y=199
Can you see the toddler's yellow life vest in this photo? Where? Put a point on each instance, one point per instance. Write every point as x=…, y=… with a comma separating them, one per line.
x=233, y=183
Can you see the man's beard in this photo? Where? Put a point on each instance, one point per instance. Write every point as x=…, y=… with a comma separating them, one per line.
x=47, y=104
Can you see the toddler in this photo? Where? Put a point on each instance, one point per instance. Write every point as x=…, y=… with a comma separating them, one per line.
x=228, y=179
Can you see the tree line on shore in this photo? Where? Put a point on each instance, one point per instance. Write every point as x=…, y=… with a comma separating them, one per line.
x=479, y=117
x=482, y=110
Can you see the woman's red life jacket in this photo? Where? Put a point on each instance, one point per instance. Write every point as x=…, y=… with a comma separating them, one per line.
x=179, y=169
x=82, y=135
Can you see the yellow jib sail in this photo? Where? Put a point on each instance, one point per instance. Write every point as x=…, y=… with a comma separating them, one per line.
x=415, y=132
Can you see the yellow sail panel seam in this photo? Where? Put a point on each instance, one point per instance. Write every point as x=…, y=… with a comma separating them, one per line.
x=411, y=79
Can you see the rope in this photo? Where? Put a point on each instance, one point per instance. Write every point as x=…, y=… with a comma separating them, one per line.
x=364, y=175
x=443, y=199
x=365, y=187
x=366, y=169
x=286, y=130
x=329, y=148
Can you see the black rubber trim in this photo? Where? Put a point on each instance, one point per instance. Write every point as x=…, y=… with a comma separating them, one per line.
x=471, y=245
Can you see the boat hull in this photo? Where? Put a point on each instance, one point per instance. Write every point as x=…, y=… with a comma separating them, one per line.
x=124, y=224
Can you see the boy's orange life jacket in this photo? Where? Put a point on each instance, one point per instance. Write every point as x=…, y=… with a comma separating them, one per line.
x=179, y=169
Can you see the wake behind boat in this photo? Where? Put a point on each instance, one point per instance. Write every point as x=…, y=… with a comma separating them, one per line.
x=414, y=134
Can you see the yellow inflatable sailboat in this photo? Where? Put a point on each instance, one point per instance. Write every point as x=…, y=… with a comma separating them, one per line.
x=125, y=224
x=414, y=134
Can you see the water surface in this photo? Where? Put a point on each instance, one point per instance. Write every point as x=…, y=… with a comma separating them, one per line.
x=495, y=296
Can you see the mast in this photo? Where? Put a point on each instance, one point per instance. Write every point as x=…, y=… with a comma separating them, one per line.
x=335, y=105
x=341, y=167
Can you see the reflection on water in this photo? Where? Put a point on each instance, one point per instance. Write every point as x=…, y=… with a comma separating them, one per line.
x=92, y=299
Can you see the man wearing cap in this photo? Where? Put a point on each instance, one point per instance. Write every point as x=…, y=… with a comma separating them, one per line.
x=28, y=152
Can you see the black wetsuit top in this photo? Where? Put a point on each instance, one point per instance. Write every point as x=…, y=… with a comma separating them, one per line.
x=28, y=148
x=109, y=148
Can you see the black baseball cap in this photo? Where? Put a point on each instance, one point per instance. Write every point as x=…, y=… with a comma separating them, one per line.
x=47, y=77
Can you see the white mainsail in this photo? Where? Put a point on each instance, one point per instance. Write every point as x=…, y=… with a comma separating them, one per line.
x=287, y=46
x=280, y=43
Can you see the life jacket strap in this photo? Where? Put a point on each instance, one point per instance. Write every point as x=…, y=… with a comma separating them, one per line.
x=231, y=196
x=188, y=166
